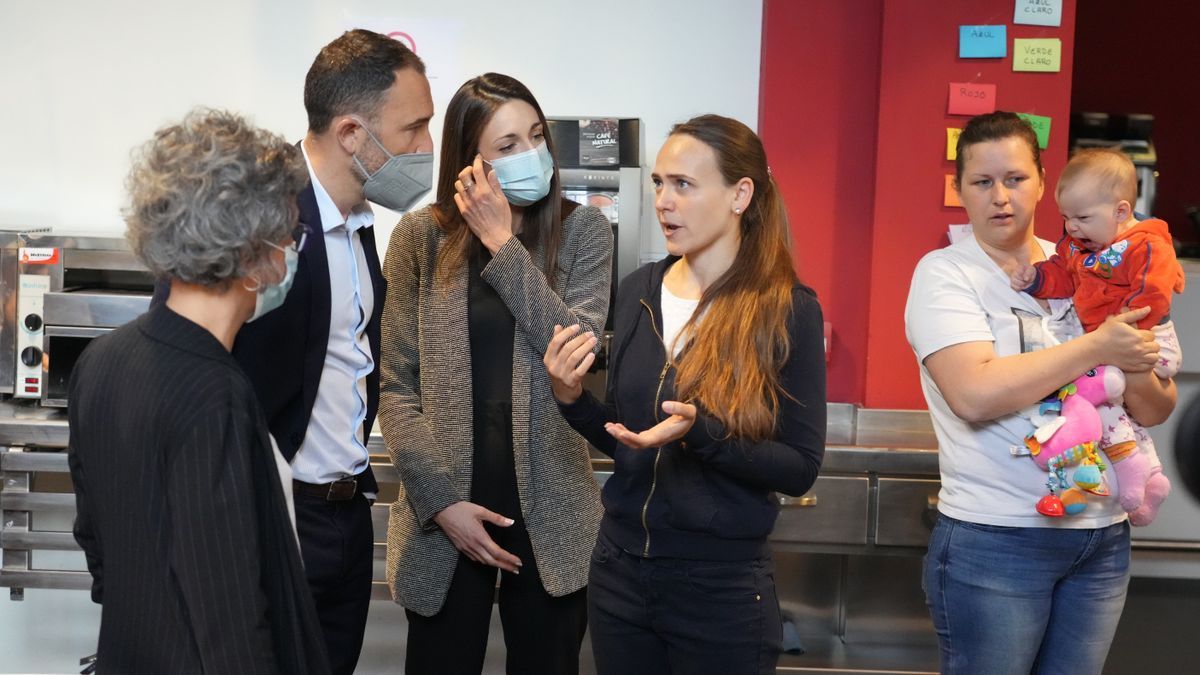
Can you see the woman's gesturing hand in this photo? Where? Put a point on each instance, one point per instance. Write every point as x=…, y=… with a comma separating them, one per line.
x=568, y=356
x=483, y=205
x=463, y=523
x=683, y=416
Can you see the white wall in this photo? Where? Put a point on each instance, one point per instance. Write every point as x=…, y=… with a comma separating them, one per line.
x=84, y=82
x=81, y=83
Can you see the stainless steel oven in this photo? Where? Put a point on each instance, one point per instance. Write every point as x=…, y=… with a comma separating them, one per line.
x=67, y=344
x=73, y=319
x=60, y=291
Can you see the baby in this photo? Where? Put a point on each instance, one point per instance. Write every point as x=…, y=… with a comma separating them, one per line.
x=1109, y=260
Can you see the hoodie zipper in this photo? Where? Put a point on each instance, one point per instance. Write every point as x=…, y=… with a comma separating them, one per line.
x=662, y=376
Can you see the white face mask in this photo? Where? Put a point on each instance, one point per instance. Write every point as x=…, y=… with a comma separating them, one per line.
x=402, y=180
x=525, y=177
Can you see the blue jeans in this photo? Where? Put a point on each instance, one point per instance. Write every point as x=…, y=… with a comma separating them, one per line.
x=1025, y=599
x=657, y=616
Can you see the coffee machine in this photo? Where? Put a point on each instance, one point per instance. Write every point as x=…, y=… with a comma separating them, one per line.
x=599, y=162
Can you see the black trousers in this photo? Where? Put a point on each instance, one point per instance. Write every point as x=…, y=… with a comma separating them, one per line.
x=542, y=634
x=658, y=616
x=337, y=544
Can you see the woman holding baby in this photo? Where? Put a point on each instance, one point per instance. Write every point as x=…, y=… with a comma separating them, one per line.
x=1011, y=590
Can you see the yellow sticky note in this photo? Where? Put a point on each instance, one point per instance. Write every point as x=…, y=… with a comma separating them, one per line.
x=1040, y=55
x=952, y=143
x=950, y=198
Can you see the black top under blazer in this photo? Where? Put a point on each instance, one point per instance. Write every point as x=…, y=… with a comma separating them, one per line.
x=283, y=351
x=181, y=514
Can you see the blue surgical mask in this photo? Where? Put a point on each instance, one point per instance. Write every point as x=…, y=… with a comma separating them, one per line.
x=525, y=177
x=272, y=296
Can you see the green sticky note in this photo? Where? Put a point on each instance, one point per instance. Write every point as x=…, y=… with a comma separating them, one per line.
x=1040, y=55
x=1041, y=125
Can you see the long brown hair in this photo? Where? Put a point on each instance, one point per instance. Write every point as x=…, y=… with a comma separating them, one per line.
x=468, y=113
x=731, y=368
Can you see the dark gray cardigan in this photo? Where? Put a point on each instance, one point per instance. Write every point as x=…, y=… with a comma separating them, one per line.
x=425, y=402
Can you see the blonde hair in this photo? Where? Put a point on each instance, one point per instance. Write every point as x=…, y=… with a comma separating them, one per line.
x=1111, y=169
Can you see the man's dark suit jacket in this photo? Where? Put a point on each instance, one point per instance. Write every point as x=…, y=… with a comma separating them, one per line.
x=181, y=514
x=283, y=352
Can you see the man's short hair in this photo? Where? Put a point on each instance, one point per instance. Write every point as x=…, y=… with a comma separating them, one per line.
x=351, y=75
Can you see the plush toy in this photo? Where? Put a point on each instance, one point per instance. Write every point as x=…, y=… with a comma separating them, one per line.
x=1072, y=424
x=1069, y=434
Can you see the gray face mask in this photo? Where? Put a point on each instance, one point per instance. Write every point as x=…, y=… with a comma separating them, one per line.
x=401, y=181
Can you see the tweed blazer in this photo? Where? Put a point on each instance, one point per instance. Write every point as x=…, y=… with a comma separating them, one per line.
x=425, y=410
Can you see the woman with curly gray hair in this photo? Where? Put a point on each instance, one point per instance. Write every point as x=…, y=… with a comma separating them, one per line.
x=183, y=502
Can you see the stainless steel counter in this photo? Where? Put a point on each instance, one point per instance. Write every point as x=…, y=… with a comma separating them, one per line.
x=847, y=554
x=860, y=440
x=25, y=423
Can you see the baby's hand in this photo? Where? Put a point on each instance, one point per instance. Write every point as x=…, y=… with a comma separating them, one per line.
x=1021, y=276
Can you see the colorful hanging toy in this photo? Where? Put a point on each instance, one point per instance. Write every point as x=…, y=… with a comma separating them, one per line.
x=1069, y=435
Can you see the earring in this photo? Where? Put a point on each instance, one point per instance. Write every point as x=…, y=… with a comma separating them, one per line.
x=737, y=211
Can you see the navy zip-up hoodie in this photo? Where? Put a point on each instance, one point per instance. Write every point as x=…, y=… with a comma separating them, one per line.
x=705, y=496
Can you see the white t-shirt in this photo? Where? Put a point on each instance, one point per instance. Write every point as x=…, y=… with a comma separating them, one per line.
x=958, y=295
x=676, y=312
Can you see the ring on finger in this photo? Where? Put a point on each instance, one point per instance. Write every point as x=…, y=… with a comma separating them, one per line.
x=468, y=185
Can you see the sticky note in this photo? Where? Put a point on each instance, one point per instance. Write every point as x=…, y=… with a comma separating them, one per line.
x=1038, y=12
x=957, y=233
x=950, y=198
x=1041, y=125
x=982, y=42
x=971, y=98
x=952, y=143
x=1040, y=55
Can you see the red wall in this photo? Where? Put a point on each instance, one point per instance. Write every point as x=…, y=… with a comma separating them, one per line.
x=818, y=103
x=1151, y=70
x=854, y=102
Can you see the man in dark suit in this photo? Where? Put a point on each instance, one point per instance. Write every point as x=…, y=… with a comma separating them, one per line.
x=313, y=360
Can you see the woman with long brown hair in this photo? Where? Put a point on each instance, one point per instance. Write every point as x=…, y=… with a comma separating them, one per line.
x=718, y=363
x=491, y=475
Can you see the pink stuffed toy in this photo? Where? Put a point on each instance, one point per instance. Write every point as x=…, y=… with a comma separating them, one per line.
x=1073, y=436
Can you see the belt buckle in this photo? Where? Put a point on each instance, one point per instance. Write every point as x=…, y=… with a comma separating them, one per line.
x=342, y=489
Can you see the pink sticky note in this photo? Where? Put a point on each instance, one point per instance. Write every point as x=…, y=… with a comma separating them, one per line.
x=971, y=98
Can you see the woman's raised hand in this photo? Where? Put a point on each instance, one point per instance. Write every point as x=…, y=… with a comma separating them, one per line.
x=568, y=356
x=483, y=205
x=1123, y=345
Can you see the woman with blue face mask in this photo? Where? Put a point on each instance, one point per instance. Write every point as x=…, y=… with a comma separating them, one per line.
x=491, y=476
x=184, y=504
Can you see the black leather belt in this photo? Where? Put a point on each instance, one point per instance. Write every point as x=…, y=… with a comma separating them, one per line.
x=339, y=490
